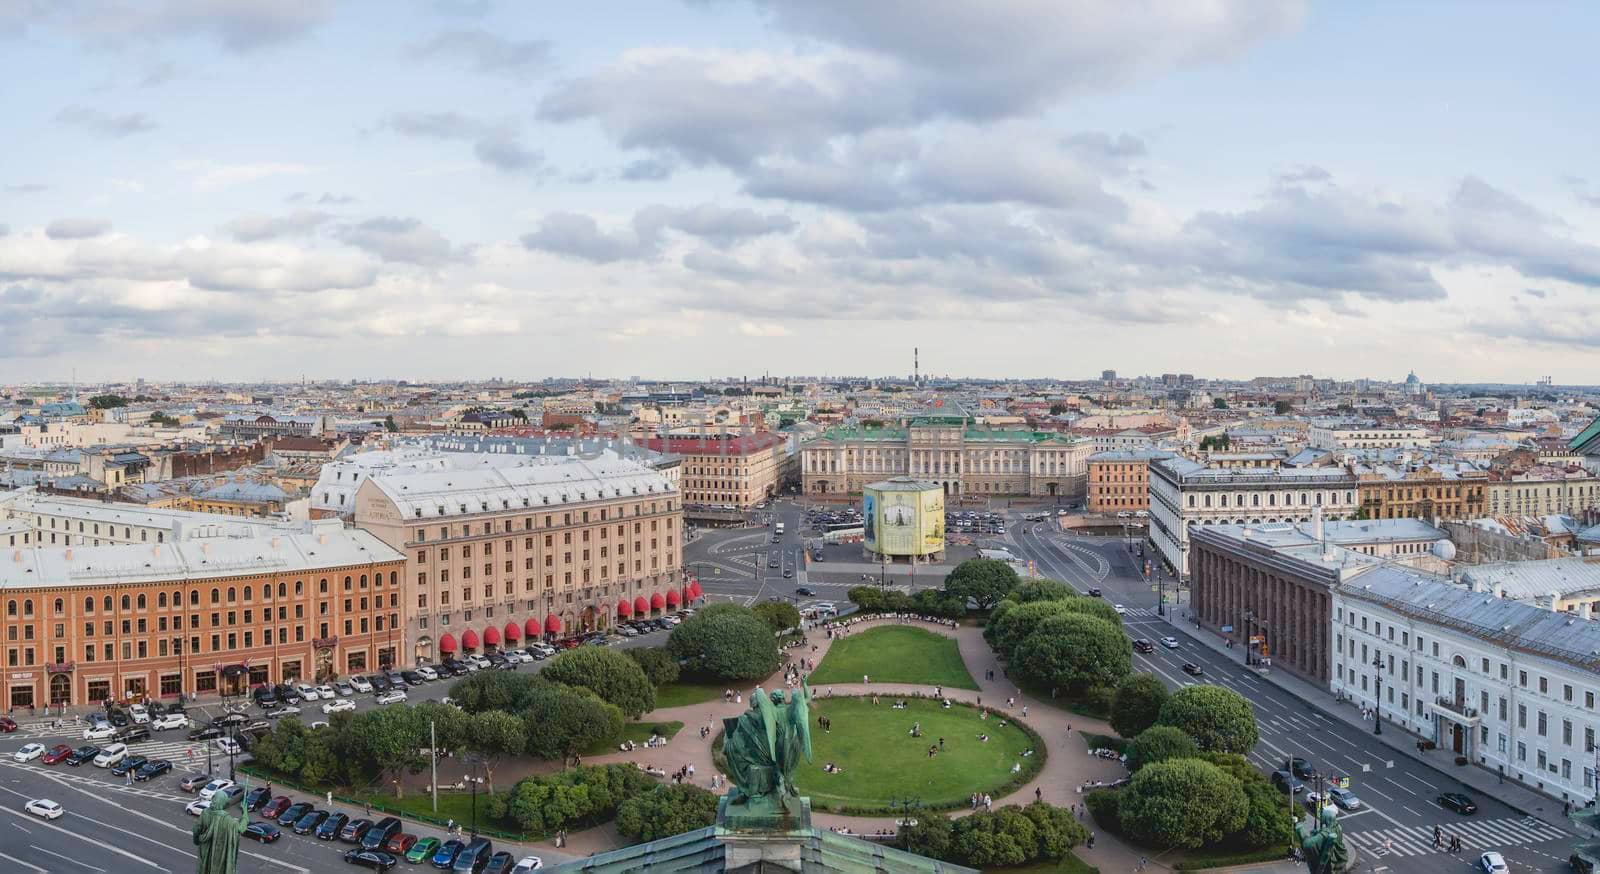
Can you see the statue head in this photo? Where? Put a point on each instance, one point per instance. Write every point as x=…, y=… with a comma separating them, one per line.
x=219, y=802
x=1328, y=816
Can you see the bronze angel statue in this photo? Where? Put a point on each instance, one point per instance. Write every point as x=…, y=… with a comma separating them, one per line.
x=766, y=743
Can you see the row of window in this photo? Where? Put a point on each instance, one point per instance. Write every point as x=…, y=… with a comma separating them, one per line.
x=140, y=602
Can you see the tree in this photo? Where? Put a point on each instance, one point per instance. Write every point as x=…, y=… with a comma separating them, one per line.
x=495, y=690
x=1266, y=822
x=1038, y=589
x=389, y=425
x=726, y=641
x=868, y=599
x=1218, y=719
x=666, y=811
x=937, y=602
x=1094, y=607
x=994, y=839
x=388, y=740
x=1058, y=408
x=612, y=675
x=562, y=722
x=1057, y=829
x=107, y=402
x=1219, y=404
x=1282, y=408
x=779, y=615
x=983, y=580
x=162, y=419
x=1182, y=803
x=1016, y=623
x=929, y=835
x=493, y=735
x=1137, y=704
x=659, y=667
x=1074, y=651
x=1158, y=744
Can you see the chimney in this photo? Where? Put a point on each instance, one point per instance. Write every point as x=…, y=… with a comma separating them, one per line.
x=156, y=550
x=1499, y=590
x=1586, y=611
x=1316, y=523
x=1555, y=602
x=68, y=555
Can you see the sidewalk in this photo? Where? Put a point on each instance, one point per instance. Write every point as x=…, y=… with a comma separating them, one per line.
x=1398, y=738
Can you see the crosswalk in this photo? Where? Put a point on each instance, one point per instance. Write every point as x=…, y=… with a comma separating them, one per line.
x=1476, y=835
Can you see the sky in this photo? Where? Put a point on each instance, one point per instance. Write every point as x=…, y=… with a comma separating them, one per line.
x=440, y=189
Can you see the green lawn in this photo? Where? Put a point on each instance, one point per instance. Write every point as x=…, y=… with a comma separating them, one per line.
x=880, y=762
x=638, y=732
x=894, y=654
x=689, y=690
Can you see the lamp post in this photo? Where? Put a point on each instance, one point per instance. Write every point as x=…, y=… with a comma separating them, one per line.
x=474, y=780
x=1377, y=693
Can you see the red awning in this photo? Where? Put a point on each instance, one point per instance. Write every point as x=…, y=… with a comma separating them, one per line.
x=469, y=639
x=447, y=643
x=491, y=636
x=512, y=632
x=641, y=606
x=531, y=628
x=552, y=623
x=672, y=597
x=657, y=602
x=623, y=609
x=694, y=589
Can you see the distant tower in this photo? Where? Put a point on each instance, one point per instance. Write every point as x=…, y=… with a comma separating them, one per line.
x=916, y=367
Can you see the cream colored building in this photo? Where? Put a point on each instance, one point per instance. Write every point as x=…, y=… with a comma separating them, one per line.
x=1544, y=493
x=1350, y=436
x=964, y=460
x=727, y=469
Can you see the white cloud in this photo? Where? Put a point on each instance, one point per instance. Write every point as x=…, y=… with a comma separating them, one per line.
x=763, y=329
x=211, y=175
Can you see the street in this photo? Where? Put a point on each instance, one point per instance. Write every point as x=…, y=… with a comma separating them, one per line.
x=1395, y=825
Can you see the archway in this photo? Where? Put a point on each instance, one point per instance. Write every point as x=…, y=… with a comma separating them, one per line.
x=61, y=689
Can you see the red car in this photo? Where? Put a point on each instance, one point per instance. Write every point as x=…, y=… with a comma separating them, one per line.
x=275, y=808
x=570, y=643
x=400, y=844
x=7, y=724
x=57, y=754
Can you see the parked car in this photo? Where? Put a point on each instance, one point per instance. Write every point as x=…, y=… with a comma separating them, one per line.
x=360, y=684
x=82, y=754
x=354, y=830
x=286, y=710
x=427, y=673
x=44, y=808
x=138, y=713
x=292, y=813
x=104, y=731
x=377, y=860
x=338, y=705
x=28, y=753
x=445, y=855
x=307, y=692
x=400, y=844
x=257, y=798
x=422, y=850
x=412, y=678
x=168, y=721
x=207, y=732
x=57, y=754
x=265, y=832
x=152, y=768
x=265, y=696
x=276, y=807
x=7, y=725
x=326, y=693
x=329, y=828
x=308, y=821
x=229, y=745
x=474, y=856
x=286, y=694
x=1285, y=782
x=214, y=787
x=380, y=833
x=393, y=696
x=528, y=863
x=344, y=689
x=196, y=807
x=128, y=763
x=117, y=717
x=1457, y=802
x=379, y=683
x=500, y=863
x=193, y=782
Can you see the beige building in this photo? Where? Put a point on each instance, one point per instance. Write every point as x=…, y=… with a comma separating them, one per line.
x=728, y=469
x=1544, y=492
x=964, y=460
x=497, y=556
x=1119, y=482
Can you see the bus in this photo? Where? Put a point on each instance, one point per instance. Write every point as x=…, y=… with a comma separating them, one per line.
x=778, y=529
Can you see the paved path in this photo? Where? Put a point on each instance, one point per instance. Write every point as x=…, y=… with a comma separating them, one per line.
x=1068, y=766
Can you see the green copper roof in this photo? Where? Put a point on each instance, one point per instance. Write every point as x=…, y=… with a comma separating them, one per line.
x=703, y=852
x=1587, y=435
x=972, y=435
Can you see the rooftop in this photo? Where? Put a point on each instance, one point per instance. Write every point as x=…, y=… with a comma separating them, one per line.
x=543, y=482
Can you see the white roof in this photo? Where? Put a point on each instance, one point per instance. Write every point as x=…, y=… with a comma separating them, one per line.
x=543, y=482
x=183, y=523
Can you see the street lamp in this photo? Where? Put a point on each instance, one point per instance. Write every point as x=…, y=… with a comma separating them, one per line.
x=1377, y=693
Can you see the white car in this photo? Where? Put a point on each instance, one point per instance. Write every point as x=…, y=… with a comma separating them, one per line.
x=229, y=746
x=326, y=691
x=1121, y=610
x=343, y=688
x=285, y=710
x=471, y=665
x=307, y=692
x=393, y=696
x=196, y=807
x=477, y=659
x=338, y=706
x=1169, y=642
x=104, y=731
x=139, y=714
x=545, y=648
x=360, y=684
x=427, y=673
x=169, y=720
x=28, y=753
x=44, y=807
x=111, y=755
x=528, y=863
x=1493, y=863
x=213, y=788
x=318, y=724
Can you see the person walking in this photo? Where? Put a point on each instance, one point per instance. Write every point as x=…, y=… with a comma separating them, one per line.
x=1038, y=794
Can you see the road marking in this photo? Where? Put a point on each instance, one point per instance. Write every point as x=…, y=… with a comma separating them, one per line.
x=68, y=858
x=23, y=864
x=1398, y=786
x=86, y=839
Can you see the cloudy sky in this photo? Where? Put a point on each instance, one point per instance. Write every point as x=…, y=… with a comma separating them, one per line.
x=468, y=188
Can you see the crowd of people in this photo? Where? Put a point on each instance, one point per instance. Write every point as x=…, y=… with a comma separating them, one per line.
x=841, y=627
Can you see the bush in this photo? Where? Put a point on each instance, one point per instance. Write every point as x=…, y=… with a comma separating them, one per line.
x=574, y=797
x=1057, y=829
x=666, y=811
x=999, y=838
x=1096, y=700
x=726, y=641
x=494, y=690
x=1266, y=823
x=1158, y=744
x=1218, y=719
x=615, y=677
x=1015, y=624
x=1182, y=803
x=1095, y=607
x=659, y=667
x=1104, y=806
x=933, y=602
x=1072, y=651
x=868, y=599
x=932, y=836
x=1002, y=838
x=779, y=615
x=1039, y=589
x=1137, y=704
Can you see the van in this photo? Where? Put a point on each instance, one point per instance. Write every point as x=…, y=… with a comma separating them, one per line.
x=474, y=856
x=380, y=834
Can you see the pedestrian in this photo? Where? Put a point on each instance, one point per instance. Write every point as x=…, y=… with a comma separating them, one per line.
x=1090, y=842
x=330, y=797
x=1024, y=710
x=941, y=744
x=1038, y=794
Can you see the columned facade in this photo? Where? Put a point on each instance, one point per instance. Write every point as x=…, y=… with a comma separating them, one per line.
x=1272, y=610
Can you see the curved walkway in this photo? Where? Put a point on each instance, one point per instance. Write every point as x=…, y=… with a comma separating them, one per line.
x=1067, y=768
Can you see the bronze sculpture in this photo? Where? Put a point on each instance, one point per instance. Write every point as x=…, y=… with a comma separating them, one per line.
x=216, y=837
x=1323, y=843
x=763, y=747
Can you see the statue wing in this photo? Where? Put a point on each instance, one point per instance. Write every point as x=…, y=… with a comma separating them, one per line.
x=769, y=721
x=800, y=719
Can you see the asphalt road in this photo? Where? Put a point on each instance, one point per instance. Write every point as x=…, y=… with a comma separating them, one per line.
x=1395, y=827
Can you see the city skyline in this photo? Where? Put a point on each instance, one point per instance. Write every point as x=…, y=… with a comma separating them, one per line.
x=462, y=189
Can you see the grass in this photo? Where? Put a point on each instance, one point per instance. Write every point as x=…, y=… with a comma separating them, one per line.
x=415, y=805
x=689, y=690
x=894, y=654
x=881, y=763
x=1069, y=864
x=1200, y=860
x=638, y=732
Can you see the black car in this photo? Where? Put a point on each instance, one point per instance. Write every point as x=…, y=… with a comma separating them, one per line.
x=1094, y=593
x=133, y=734
x=380, y=683
x=1285, y=782
x=150, y=769
x=330, y=827
x=804, y=591
x=1142, y=645
x=83, y=754
x=500, y=863
x=257, y=798
x=395, y=680
x=265, y=696
x=1193, y=669
x=309, y=821
x=451, y=668
x=207, y=732
x=292, y=815
x=377, y=860
x=355, y=830
x=118, y=718
x=286, y=694
x=128, y=763
x=1303, y=768
x=265, y=832
x=412, y=677
x=1450, y=801
x=380, y=833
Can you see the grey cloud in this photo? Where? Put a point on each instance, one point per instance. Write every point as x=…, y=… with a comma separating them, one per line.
x=1536, y=292
x=254, y=228
x=501, y=150
x=77, y=228
x=237, y=25
x=578, y=236
x=1304, y=174
x=106, y=124
x=1497, y=226
x=439, y=125
x=648, y=170
x=244, y=269
x=328, y=198
x=27, y=188
x=497, y=145
x=406, y=240
x=158, y=73
x=721, y=266
x=486, y=52
x=4, y=229
x=721, y=226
